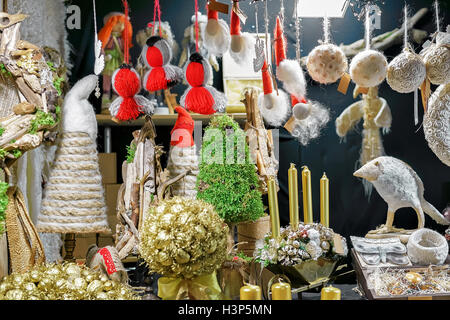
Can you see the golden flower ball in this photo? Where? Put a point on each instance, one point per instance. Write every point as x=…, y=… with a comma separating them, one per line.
x=66, y=281
x=406, y=72
x=437, y=61
x=183, y=237
x=326, y=63
x=368, y=68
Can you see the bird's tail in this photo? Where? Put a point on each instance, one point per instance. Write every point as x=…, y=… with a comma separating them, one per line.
x=434, y=213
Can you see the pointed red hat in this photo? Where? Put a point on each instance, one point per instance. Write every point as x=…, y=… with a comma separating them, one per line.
x=181, y=134
x=280, y=42
x=294, y=100
x=212, y=14
x=267, y=79
x=235, y=23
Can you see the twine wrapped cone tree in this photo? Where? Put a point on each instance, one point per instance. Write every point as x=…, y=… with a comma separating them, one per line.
x=73, y=199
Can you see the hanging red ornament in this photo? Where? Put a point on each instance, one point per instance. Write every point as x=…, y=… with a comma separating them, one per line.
x=274, y=106
x=216, y=36
x=200, y=97
x=157, y=55
x=288, y=71
x=129, y=105
x=242, y=43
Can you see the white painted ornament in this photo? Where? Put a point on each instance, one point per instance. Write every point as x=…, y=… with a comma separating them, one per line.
x=368, y=68
x=437, y=61
x=406, y=72
x=436, y=123
x=326, y=63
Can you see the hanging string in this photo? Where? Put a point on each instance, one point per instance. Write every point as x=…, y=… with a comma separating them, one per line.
x=297, y=32
x=281, y=12
x=156, y=11
x=326, y=28
x=95, y=19
x=436, y=9
x=196, y=25
x=256, y=19
x=126, y=36
x=405, y=36
x=266, y=25
x=368, y=27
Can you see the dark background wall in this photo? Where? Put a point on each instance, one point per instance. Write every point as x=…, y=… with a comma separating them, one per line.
x=351, y=212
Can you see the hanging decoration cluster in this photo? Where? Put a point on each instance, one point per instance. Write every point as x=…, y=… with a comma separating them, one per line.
x=216, y=36
x=127, y=84
x=200, y=97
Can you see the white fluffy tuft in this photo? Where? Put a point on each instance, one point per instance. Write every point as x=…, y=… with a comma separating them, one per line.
x=242, y=48
x=275, y=109
x=291, y=74
x=311, y=127
x=219, y=41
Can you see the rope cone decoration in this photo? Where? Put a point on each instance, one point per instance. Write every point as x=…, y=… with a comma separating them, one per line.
x=73, y=199
x=183, y=155
x=216, y=36
x=242, y=43
x=200, y=97
x=157, y=54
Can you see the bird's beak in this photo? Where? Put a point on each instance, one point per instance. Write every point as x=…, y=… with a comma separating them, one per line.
x=358, y=173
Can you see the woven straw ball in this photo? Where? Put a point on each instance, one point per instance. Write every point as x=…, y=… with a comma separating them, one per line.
x=326, y=63
x=437, y=61
x=406, y=72
x=368, y=68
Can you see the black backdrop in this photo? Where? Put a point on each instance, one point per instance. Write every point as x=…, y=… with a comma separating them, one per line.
x=351, y=212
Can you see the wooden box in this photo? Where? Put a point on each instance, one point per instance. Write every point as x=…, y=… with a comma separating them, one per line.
x=362, y=275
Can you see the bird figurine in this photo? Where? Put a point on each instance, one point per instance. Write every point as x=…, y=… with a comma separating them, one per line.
x=400, y=186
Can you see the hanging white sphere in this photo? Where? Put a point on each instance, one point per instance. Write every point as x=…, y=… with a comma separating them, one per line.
x=301, y=111
x=406, y=72
x=437, y=61
x=436, y=123
x=368, y=68
x=326, y=63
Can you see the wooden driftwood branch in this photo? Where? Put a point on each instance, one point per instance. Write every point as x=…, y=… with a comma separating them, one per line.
x=167, y=183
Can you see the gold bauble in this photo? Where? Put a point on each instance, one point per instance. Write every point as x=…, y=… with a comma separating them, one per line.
x=104, y=278
x=108, y=285
x=79, y=283
x=17, y=280
x=72, y=270
x=45, y=283
x=35, y=275
x=94, y=286
x=54, y=271
x=413, y=278
x=101, y=296
x=182, y=256
x=29, y=286
x=5, y=286
x=90, y=277
x=14, y=294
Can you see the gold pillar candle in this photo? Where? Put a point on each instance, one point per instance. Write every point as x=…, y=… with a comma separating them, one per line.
x=330, y=293
x=325, y=201
x=307, y=197
x=293, y=196
x=250, y=292
x=273, y=208
x=281, y=291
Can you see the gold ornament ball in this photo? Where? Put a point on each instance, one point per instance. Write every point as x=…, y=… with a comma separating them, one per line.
x=79, y=284
x=326, y=63
x=368, y=68
x=94, y=286
x=101, y=296
x=406, y=72
x=15, y=294
x=437, y=61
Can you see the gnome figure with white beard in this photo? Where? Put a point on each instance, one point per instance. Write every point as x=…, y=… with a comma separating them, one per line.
x=183, y=156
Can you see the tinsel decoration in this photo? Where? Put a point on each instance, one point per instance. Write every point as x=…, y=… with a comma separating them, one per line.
x=200, y=97
x=216, y=35
x=129, y=106
x=327, y=62
x=307, y=242
x=184, y=238
x=407, y=71
x=157, y=55
x=369, y=67
x=67, y=281
x=242, y=43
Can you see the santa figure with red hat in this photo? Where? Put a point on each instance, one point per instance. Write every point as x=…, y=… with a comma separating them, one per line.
x=183, y=155
x=310, y=117
x=216, y=34
x=242, y=43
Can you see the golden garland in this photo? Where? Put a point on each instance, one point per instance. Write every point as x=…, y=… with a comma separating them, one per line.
x=67, y=281
x=183, y=238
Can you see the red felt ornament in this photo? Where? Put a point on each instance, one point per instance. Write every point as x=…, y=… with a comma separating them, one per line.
x=129, y=105
x=200, y=97
x=181, y=134
x=157, y=55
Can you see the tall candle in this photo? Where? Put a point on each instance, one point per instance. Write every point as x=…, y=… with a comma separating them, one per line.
x=325, y=201
x=250, y=292
x=307, y=197
x=273, y=208
x=281, y=291
x=293, y=197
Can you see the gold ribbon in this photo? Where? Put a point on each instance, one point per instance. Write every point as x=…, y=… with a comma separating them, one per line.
x=203, y=287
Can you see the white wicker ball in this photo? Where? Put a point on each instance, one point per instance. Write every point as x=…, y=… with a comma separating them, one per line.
x=406, y=72
x=427, y=247
x=326, y=63
x=437, y=61
x=368, y=68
